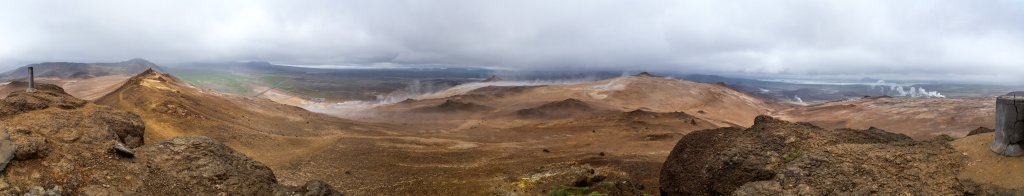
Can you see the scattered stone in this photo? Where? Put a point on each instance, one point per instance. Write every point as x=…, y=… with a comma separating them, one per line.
x=40, y=191
x=547, y=151
x=123, y=151
x=311, y=188
x=629, y=188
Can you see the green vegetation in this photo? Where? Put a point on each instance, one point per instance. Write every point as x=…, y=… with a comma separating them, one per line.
x=224, y=82
x=330, y=84
x=791, y=156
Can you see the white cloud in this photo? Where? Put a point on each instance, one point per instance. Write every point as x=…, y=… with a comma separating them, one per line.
x=749, y=36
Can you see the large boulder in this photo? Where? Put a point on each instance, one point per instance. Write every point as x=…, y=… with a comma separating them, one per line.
x=775, y=157
x=188, y=165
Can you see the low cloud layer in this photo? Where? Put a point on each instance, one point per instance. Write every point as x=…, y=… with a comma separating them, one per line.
x=974, y=39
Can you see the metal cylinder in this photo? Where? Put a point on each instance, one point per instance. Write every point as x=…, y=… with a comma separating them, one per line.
x=31, y=80
x=1009, y=135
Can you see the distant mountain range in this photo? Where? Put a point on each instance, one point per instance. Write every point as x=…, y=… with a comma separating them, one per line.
x=69, y=70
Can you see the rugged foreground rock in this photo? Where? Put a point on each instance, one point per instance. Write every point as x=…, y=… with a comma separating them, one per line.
x=776, y=157
x=65, y=145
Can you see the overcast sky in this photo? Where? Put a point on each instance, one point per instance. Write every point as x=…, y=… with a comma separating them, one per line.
x=973, y=39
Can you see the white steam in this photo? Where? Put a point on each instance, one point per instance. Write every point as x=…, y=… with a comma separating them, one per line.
x=904, y=90
x=466, y=88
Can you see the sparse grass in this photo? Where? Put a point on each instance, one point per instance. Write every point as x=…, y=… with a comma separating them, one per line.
x=789, y=157
x=224, y=82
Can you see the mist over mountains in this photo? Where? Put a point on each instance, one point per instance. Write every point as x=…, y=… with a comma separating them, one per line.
x=978, y=41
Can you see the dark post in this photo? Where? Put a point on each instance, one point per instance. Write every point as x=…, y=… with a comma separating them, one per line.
x=31, y=80
x=1009, y=134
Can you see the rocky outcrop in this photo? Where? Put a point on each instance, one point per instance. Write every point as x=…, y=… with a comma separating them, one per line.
x=645, y=74
x=775, y=157
x=454, y=106
x=189, y=165
x=558, y=109
x=47, y=96
x=68, y=146
x=980, y=130
x=493, y=78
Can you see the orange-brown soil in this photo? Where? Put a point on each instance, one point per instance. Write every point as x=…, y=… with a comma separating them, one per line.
x=917, y=118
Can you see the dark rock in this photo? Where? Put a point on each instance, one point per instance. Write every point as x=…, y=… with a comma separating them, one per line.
x=31, y=147
x=123, y=151
x=980, y=130
x=454, y=106
x=128, y=127
x=493, y=78
x=311, y=188
x=546, y=150
x=870, y=135
x=645, y=74
x=188, y=165
x=597, y=178
x=775, y=157
x=581, y=181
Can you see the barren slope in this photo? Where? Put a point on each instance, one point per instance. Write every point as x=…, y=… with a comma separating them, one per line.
x=272, y=133
x=719, y=104
x=483, y=157
x=917, y=118
x=62, y=145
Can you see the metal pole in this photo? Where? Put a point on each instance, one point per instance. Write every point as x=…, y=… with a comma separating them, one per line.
x=1009, y=134
x=31, y=80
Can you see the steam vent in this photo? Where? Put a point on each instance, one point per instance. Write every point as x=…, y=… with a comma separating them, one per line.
x=1009, y=124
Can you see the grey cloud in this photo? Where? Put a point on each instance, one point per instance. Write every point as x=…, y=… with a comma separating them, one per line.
x=945, y=37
